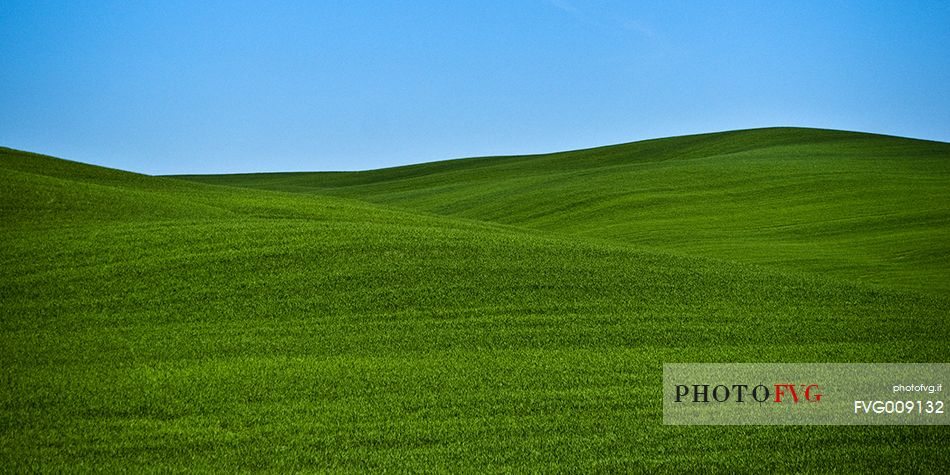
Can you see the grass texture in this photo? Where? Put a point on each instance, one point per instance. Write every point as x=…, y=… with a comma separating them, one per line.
x=858, y=206
x=481, y=315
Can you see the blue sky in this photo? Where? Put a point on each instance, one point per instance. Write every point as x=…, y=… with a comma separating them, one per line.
x=211, y=87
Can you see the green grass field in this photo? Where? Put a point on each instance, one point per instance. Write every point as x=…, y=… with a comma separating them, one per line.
x=486, y=315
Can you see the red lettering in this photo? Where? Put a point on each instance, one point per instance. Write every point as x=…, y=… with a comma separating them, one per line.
x=779, y=393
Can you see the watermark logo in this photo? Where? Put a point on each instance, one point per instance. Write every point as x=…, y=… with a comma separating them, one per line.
x=740, y=393
x=804, y=394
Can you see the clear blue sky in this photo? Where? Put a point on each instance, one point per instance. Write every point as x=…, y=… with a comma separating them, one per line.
x=205, y=86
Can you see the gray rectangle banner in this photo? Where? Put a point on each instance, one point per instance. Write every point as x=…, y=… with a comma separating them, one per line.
x=806, y=393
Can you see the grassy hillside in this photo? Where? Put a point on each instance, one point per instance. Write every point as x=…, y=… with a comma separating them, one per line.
x=184, y=326
x=862, y=207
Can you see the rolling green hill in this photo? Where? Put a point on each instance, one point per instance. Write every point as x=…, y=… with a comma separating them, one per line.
x=857, y=206
x=159, y=322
